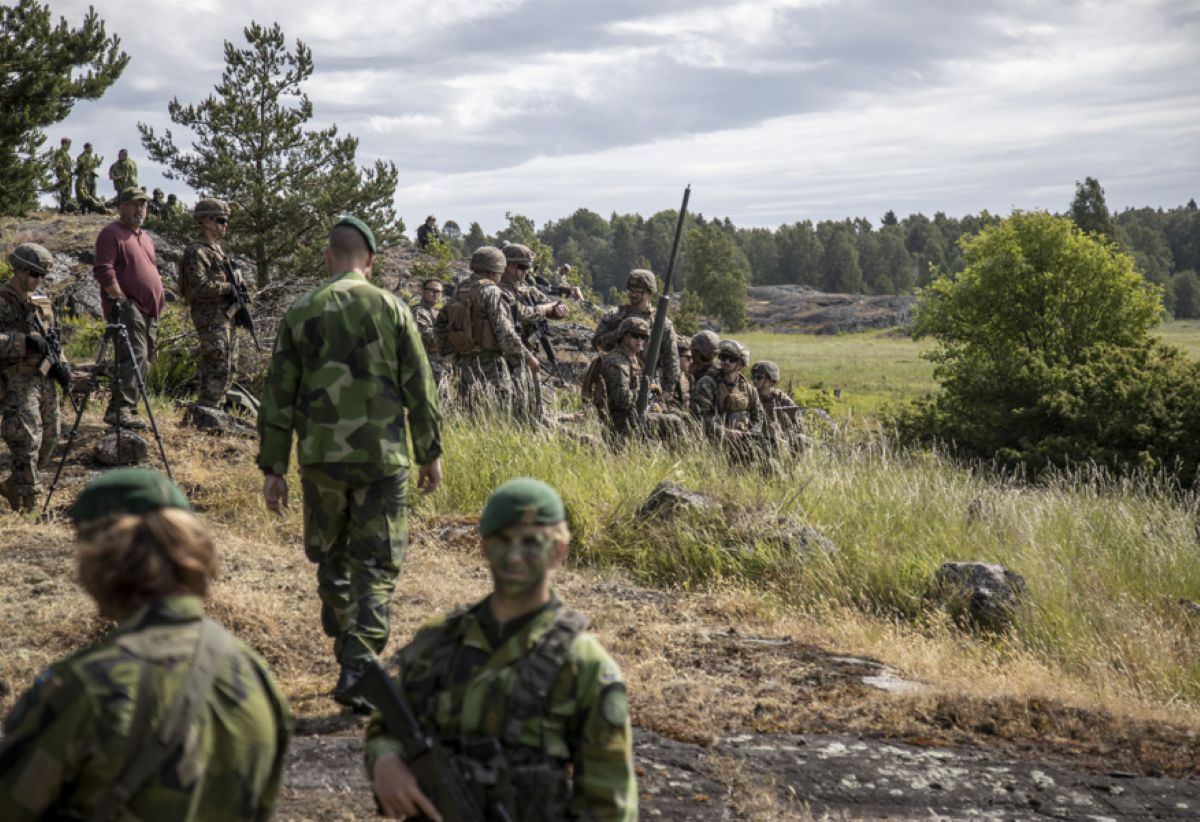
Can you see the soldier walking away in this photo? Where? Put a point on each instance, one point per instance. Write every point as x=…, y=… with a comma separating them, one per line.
x=169, y=716
x=347, y=372
x=28, y=373
x=85, y=181
x=530, y=706
x=477, y=327
x=641, y=286
x=62, y=164
x=427, y=233
x=206, y=283
x=123, y=172
x=126, y=268
x=424, y=311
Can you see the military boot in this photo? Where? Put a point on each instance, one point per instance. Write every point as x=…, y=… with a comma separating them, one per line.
x=19, y=502
x=346, y=680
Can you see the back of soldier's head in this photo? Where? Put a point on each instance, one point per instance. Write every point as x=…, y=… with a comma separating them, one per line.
x=705, y=344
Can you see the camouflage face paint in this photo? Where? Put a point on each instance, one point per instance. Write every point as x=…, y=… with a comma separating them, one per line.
x=520, y=559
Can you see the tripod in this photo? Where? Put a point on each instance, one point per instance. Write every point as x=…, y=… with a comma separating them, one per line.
x=120, y=333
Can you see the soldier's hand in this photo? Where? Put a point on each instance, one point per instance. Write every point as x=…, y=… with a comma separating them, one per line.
x=60, y=372
x=36, y=344
x=398, y=791
x=429, y=476
x=533, y=364
x=275, y=493
x=734, y=434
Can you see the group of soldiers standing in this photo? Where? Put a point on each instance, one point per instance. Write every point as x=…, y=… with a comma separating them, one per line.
x=80, y=174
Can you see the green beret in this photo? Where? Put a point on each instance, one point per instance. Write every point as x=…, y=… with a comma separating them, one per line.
x=360, y=226
x=523, y=501
x=127, y=491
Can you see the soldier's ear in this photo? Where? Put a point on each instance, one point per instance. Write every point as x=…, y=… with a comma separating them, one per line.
x=560, y=553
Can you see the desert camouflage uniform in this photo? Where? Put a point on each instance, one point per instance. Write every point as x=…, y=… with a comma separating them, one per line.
x=484, y=374
x=124, y=174
x=31, y=417
x=205, y=284
x=72, y=734
x=425, y=317
x=605, y=339
x=348, y=369
x=85, y=182
x=61, y=163
x=570, y=759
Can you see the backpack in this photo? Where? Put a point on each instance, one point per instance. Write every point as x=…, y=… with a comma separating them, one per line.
x=592, y=387
x=467, y=329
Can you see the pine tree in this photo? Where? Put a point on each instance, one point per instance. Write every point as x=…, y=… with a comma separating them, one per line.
x=285, y=185
x=46, y=68
x=1089, y=211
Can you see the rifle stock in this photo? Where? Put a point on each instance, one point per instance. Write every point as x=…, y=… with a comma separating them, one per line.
x=650, y=358
x=429, y=761
x=239, y=309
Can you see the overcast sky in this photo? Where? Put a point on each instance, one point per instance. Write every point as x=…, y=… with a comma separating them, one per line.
x=774, y=110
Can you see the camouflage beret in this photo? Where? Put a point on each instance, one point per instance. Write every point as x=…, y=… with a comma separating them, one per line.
x=643, y=278
x=517, y=253
x=633, y=325
x=131, y=195
x=488, y=259
x=523, y=501
x=706, y=342
x=359, y=226
x=767, y=369
x=31, y=257
x=736, y=349
x=127, y=491
x=209, y=207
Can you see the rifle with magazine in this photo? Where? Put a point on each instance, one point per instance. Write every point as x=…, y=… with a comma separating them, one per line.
x=239, y=307
x=541, y=336
x=54, y=365
x=426, y=757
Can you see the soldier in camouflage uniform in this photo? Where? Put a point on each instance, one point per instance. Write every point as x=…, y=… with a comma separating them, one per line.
x=61, y=163
x=347, y=372
x=206, y=285
x=704, y=354
x=529, y=307
x=727, y=406
x=158, y=204
x=85, y=181
x=123, y=172
x=529, y=703
x=31, y=420
x=681, y=397
x=641, y=286
x=424, y=311
x=476, y=326
x=169, y=716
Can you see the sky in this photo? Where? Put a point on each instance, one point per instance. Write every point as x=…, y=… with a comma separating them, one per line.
x=773, y=110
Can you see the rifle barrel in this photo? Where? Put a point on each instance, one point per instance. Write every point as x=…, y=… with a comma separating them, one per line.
x=650, y=358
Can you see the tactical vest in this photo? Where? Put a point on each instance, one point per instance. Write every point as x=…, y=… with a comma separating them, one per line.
x=467, y=326
x=733, y=401
x=37, y=304
x=526, y=783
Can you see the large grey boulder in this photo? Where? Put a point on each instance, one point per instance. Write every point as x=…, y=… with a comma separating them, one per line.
x=670, y=498
x=983, y=594
x=124, y=449
x=215, y=421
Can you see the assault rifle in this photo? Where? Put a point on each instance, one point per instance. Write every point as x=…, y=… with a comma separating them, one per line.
x=239, y=307
x=650, y=356
x=429, y=761
x=541, y=336
x=54, y=365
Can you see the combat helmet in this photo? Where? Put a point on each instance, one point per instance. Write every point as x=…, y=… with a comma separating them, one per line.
x=488, y=259
x=210, y=207
x=517, y=253
x=633, y=325
x=734, y=348
x=642, y=278
x=705, y=344
x=31, y=257
x=765, y=368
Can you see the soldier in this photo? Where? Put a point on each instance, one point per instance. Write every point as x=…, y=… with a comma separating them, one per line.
x=157, y=204
x=123, y=172
x=476, y=326
x=424, y=311
x=30, y=397
x=169, y=716
x=704, y=353
x=206, y=284
x=61, y=163
x=529, y=307
x=532, y=707
x=174, y=207
x=641, y=286
x=85, y=181
x=126, y=268
x=427, y=233
x=781, y=425
x=346, y=375
x=681, y=397
x=723, y=401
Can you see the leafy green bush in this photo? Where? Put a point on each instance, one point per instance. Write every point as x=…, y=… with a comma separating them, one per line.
x=175, y=366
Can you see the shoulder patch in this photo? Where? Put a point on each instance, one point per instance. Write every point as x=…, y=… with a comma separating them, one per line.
x=614, y=705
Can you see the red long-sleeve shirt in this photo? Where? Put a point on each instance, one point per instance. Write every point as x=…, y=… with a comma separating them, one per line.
x=126, y=256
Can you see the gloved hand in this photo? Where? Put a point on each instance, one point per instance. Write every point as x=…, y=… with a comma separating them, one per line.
x=60, y=372
x=35, y=343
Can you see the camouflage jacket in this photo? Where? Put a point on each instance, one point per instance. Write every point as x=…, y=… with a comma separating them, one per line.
x=60, y=161
x=70, y=736
x=720, y=403
x=605, y=339
x=348, y=368
x=776, y=399
x=202, y=275
x=488, y=306
x=425, y=316
x=584, y=731
x=87, y=163
x=16, y=323
x=124, y=174
x=621, y=374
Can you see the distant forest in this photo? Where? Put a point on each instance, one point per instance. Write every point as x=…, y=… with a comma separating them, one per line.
x=854, y=256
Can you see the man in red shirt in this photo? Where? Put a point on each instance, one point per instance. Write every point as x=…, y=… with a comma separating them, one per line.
x=131, y=293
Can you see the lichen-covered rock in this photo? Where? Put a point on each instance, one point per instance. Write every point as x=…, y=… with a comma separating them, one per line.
x=982, y=594
x=669, y=498
x=215, y=421
x=125, y=448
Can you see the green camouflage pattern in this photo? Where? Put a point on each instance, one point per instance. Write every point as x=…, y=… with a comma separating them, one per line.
x=143, y=339
x=30, y=421
x=586, y=727
x=715, y=414
x=85, y=181
x=202, y=274
x=204, y=283
x=347, y=370
x=61, y=164
x=526, y=396
x=124, y=174
x=485, y=383
x=621, y=374
x=425, y=317
x=356, y=532
x=606, y=339
x=70, y=736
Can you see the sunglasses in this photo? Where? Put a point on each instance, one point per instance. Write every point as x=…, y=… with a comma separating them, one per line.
x=760, y=377
x=35, y=274
x=523, y=266
x=221, y=220
x=729, y=358
x=639, y=336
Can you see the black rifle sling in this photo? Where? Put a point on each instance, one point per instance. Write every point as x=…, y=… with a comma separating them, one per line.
x=530, y=696
x=213, y=646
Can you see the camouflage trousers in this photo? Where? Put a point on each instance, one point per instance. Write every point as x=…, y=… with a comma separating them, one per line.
x=485, y=386
x=355, y=529
x=527, y=396
x=30, y=427
x=143, y=333
x=218, y=346
x=665, y=428
x=85, y=193
x=63, y=190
